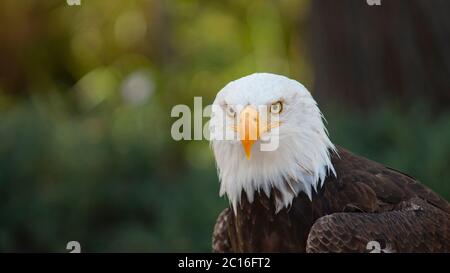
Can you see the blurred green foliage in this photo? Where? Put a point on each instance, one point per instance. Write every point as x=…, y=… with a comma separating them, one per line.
x=85, y=99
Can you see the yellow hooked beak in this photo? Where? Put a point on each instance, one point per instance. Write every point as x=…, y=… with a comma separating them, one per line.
x=248, y=128
x=251, y=126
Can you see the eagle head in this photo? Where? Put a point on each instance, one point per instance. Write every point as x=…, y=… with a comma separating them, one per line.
x=267, y=133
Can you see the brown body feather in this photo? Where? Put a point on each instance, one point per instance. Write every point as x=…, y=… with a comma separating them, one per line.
x=365, y=202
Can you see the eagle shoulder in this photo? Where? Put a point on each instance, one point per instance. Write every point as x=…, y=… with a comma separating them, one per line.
x=357, y=175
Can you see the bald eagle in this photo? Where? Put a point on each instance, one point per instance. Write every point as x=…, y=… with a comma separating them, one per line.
x=292, y=190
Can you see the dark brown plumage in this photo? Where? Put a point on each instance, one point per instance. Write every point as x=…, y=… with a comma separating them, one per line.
x=365, y=202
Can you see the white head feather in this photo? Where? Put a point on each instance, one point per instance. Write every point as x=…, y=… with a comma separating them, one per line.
x=301, y=161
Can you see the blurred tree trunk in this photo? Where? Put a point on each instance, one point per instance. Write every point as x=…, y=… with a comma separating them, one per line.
x=363, y=55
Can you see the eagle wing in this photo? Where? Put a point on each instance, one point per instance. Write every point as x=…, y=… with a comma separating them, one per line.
x=394, y=211
x=416, y=226
x=220, y=238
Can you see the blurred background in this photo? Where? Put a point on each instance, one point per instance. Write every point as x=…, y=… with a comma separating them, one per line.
x=86, y=93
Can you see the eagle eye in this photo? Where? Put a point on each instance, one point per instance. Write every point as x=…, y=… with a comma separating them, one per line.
x=276, y=107
x=230, y=111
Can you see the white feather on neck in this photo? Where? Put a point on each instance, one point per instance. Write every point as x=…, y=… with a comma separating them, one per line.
x=300, y=164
